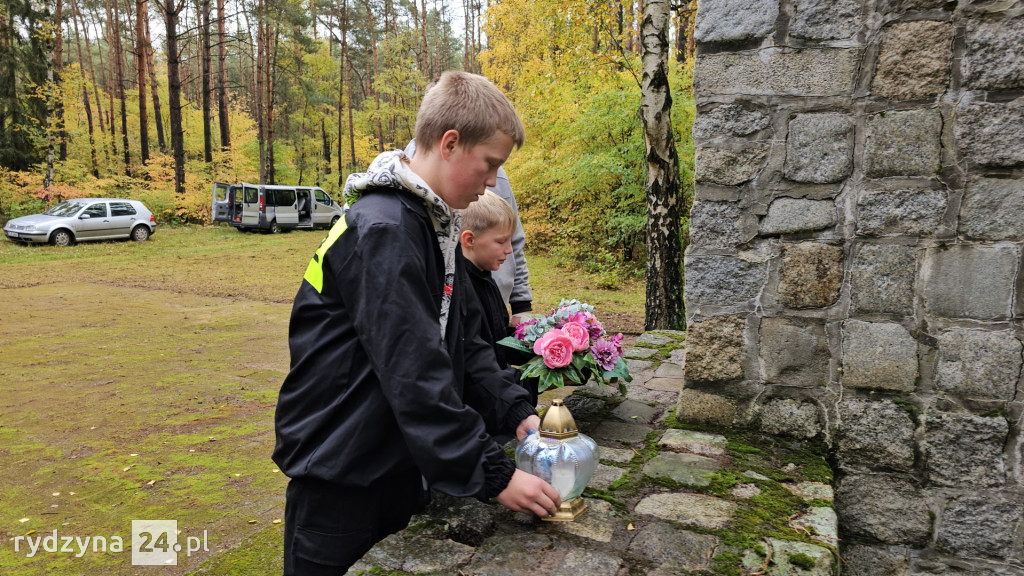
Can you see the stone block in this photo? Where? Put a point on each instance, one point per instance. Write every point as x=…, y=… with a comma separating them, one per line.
x=884, y=508
x=772, y=71
x=810, y=491
x=882, y=279
x=827, y=19
x=994, y=59
x=992, y=209
x=621, y=432
x=702, y=443
x=794, y=353
x=689, y=469
x=584, y=561
x=914, y=60
x=970, y=281
x=875, y=434
x=605, y=476
x=879, y=356
x=713, y=350
x=862, y=560
x=728, y=120
x=964, y=449
x=722, y=280
x=653, y=339
x=726, y=21
x=819, y=148
x=720, y=225
x=688, y=509
x=820, y=522
x=788, y=215
x=811, y=275
x=991, y=134
x=900, y=212
x=787, y=417
x=416, y=555
x=633, y=411
x=728, y=167
x=784, y=554
x=680, y=551
x=978, y=364
x=701, y=408
x=977, y=526
x=903, y=144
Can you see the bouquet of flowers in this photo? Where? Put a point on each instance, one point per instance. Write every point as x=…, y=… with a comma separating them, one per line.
x=569, y=345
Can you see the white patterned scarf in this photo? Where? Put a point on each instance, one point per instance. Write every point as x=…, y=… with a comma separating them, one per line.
x=391, y=170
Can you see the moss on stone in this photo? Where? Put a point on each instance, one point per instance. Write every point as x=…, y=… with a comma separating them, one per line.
x=802, y=560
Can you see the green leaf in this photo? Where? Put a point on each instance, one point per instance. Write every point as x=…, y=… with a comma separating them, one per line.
x=619, y=371
x=515, y=343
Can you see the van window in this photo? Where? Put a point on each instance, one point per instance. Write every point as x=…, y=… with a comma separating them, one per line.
x=220, y=192
x=252, y=196
x=322, y=197
x=121, y=209
x=284, y=197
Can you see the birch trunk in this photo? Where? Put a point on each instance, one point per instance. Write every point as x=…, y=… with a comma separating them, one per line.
x=664, y=302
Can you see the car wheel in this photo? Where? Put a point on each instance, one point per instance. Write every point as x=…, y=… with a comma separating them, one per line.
x=335, y=220
x=274, y=228
x=140, y=233
x=61, y=238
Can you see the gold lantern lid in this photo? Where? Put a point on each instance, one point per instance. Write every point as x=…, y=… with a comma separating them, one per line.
x=558, y=422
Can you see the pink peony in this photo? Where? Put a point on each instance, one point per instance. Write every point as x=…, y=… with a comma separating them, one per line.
x=579, y=335
x=555, y=348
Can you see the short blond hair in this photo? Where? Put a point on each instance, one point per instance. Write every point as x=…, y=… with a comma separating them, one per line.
x=470, y=104
x=489, y=211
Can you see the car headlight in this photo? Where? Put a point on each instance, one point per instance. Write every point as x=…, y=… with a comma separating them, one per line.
x=29, y=228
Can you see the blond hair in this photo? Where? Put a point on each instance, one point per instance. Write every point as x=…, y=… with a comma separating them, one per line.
x=470, y=104
x=489, y=211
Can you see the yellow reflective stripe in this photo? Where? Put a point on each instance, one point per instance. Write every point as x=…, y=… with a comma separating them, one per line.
x=315, y=269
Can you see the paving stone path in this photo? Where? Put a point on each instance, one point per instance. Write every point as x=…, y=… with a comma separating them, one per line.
x=663, y=502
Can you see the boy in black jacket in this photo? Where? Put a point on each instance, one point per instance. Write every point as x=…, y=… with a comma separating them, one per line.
x=487, y=229
x=391, y=390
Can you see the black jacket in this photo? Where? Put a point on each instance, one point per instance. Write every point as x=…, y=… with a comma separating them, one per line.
x=373, y=390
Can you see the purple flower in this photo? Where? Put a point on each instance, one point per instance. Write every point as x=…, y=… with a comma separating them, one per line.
x=605, y=354
x=521, y=329
x=617, y=340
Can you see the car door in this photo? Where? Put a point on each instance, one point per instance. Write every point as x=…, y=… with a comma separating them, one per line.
x=250, y=205
x=285, y=208
x=93, y=222
x=122, y=219
x=221, y=202
x=322, y=212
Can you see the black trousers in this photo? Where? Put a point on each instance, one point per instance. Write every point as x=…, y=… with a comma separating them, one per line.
x=328, y=527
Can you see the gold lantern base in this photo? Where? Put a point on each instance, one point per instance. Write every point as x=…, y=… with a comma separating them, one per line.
x=569, y=511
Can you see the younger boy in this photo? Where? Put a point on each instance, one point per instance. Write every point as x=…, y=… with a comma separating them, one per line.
x=488, y=226
x=391, y=390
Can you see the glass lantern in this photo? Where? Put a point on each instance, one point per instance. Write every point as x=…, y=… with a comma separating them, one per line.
x=562, y=457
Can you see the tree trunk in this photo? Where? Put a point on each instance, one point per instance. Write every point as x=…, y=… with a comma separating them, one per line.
x=261, y=48
x=114, y=22
x=342, y=74
x=85, y=90
x=92, y=75
x=58, y=56
x=141, y=16
x=222, y=79
x=425, y=67
x=664, y=303
x=154, y=87
x=376, y=70
x=268, y=70
x=174, y=94
x=207, y=84
x=108, y=85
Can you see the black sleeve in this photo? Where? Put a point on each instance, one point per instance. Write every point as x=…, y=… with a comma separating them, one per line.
x=491, y=391
x=395, y=318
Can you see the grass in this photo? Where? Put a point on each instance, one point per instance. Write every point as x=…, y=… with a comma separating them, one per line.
x=138, y=381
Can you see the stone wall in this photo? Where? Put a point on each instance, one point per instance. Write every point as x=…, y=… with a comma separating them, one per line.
x=854, y=271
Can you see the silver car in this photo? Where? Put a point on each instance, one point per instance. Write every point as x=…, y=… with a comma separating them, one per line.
x=84, y=219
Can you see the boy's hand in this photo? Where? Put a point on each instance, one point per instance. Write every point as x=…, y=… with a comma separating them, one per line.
x=529, y=424
x=531, y=495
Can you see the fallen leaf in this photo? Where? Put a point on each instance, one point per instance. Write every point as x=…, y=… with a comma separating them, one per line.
x=30, y=532
x=23, y=520
x=630, y=526
x=252, y=521
x=151, y=482
x=277, y=521
x=56, y=493
x=133, y=454
x=71, y=493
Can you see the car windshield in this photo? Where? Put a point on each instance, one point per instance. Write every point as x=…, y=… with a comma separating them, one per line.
x=64, y=209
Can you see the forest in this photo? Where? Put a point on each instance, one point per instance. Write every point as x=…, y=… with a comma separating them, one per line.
x=158, y=100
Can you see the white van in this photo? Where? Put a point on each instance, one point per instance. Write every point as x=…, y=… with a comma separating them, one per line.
x=274, y=208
